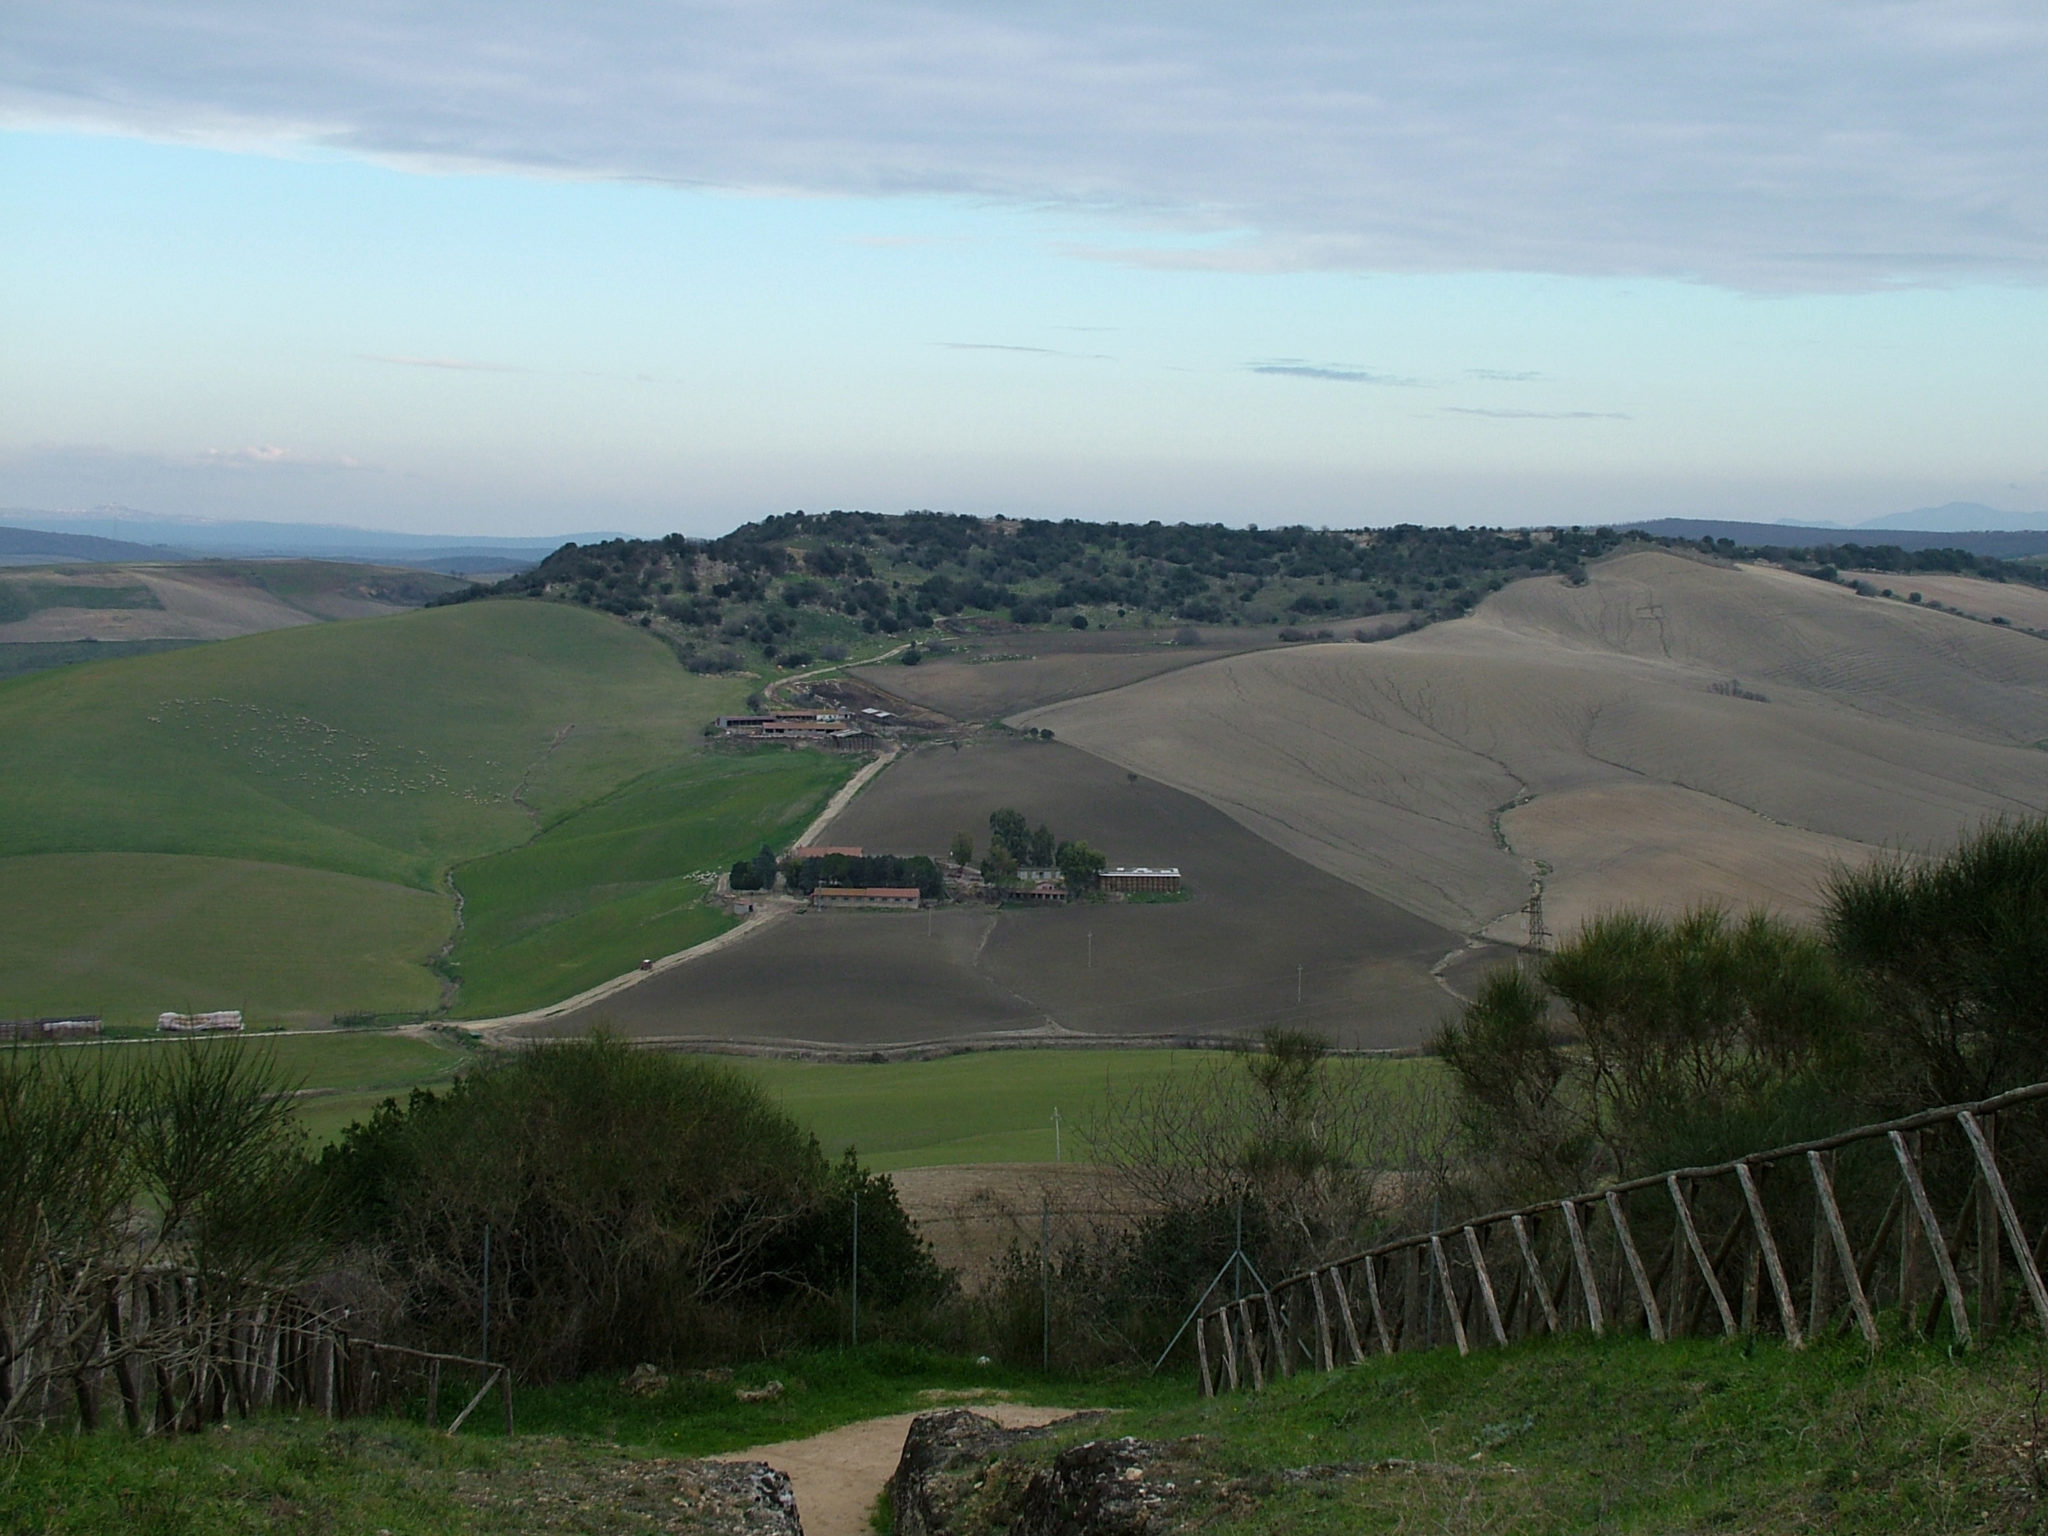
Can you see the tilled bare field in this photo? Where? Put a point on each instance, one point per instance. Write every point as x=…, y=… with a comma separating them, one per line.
x=970, y=685
x=1670, y=732
x=2010, y=600
x=1265, y=938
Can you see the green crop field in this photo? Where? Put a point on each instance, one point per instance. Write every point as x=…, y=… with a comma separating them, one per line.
x=255, y=774
x=128, y=935
x=613, y=883
x=982, y=1107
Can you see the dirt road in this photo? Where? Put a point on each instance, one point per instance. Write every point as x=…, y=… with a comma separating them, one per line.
x=837, y=1475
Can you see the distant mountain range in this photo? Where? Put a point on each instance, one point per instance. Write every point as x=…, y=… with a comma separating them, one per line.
x=1963, y=517
x=122, y=533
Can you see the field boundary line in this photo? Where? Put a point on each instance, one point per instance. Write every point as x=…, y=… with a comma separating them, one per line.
x=765, y=915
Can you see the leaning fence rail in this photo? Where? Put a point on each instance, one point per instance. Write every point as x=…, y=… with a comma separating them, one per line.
x=1799, y=1241
x=155, y=1347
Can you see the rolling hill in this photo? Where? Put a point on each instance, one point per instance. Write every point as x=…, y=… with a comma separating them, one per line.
x=1674, y=730
x=272, y=820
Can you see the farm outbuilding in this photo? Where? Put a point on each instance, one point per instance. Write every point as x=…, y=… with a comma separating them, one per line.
x=885, y=896
x=1161, y=881
x=226, y=1021
x=49, y=1029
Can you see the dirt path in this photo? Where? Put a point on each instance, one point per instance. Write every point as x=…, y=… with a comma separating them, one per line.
x=840, y=799
x=767, y=911
x=838, y=1474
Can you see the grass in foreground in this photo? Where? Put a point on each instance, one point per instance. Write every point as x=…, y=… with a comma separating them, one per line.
x=581, y=1461
x=1627, y=1436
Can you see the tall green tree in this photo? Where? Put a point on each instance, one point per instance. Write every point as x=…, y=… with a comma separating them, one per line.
x=1079, y=865
x=1954, y=954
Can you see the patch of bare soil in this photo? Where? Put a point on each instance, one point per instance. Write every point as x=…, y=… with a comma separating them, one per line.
x=1704, y=732
x=973, y=1213
x=839, y=1474
x=590, y=1496
x=1988, y=600
x=994, y=676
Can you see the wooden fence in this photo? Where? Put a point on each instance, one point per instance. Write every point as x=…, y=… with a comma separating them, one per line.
x=1826, y=1235
x=157, y=1348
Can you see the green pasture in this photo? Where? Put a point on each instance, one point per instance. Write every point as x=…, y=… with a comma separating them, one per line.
x=613, y=883
x=387, y=748
x=269, y=823
x=340, y=1076
x=22, y=596
x=20, y=657
x=979, y=1107
x=129, y=935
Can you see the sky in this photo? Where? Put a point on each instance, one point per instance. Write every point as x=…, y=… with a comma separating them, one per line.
x=518, y=268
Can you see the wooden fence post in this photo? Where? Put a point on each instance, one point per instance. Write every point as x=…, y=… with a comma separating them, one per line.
x=1831, y=1214
x=1537, y=1283
x=1485, y=1280
x=1589, y=1285
x=1645, y=1292
x=1767, y=1245
x=1930, y=1225
x=1443, y=1275
x=1344, y=1312
x=1982, y=1144
x=1699, y=1255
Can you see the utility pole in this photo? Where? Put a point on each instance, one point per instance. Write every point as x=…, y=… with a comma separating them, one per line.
x=856, y=1266
x=1056, y=1155
x=487, y=1291
x=1045, y=1275
x=1091, y=949
x=1297, y=985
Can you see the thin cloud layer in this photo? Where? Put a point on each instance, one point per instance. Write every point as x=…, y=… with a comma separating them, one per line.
x=1757, y=144
x=1330, y=373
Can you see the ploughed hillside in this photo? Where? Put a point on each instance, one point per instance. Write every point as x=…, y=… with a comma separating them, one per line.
x=1673, y=730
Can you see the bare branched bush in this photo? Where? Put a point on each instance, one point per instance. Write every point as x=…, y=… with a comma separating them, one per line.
x=1280, y=1148
x=192, y=1166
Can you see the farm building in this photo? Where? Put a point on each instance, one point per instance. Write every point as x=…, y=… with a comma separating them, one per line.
x=1049, y=893
x=1164, y=881
x=48, y=1029
x=827, y=897
x=226, y=1021
x=825, y=851
x=781, y=717
x=853, y=739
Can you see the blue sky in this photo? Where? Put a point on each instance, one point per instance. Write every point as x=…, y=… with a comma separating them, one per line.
x=484, y=269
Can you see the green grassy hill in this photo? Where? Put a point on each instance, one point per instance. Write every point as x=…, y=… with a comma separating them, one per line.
x=255, y=774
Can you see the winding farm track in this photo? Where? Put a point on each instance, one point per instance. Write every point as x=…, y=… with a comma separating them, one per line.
x=768, y=910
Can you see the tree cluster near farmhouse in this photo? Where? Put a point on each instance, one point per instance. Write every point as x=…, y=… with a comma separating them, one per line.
x=1014, y=844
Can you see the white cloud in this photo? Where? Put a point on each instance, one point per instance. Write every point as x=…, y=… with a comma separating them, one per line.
x=1761, y=144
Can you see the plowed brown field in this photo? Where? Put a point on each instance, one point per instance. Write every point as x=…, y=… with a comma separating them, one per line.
x=1260, y=924
x=1598, y=730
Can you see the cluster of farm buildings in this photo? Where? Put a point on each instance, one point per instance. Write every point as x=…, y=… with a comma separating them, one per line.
x=83, y=1026
x=1037, y=886
x=837, y=730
